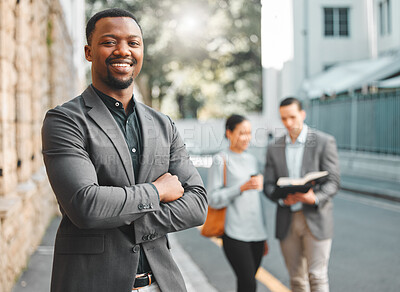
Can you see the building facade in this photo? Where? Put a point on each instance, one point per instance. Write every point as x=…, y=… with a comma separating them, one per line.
x=39, y=68
x=328, y=34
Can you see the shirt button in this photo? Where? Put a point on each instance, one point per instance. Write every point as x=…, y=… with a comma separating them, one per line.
x=117, y=103
x=133, y=150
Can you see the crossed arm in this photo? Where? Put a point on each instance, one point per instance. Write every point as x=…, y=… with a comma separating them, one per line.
x=180, y=200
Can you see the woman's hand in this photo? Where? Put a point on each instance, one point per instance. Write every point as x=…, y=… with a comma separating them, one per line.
x=254, y=183
x=266, y=248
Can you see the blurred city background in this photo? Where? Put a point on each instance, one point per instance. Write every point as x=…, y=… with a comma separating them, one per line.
x=205, y=60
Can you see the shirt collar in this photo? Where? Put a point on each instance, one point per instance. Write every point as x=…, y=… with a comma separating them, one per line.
x=301, y=138
x=112, y=103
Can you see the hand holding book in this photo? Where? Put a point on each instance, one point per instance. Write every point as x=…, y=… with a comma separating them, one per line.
x=286, y=185
x=305, y=198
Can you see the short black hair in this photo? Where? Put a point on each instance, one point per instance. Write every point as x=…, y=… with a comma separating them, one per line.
x=112, y=12
x=291, y=100
x=233, y=121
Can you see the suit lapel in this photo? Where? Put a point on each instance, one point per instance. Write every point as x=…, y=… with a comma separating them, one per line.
x=149, y=141
x=103, y=118
x=281, y=156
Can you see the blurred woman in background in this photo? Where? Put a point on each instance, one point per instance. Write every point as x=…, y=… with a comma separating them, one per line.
x=244, y=241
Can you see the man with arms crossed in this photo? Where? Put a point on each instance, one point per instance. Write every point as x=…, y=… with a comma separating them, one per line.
x=120, y=172
x=304, y=221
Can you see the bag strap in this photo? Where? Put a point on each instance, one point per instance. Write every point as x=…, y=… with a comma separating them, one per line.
x=224, y=171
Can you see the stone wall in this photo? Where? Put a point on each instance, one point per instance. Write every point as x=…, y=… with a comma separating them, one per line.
x=36, y=73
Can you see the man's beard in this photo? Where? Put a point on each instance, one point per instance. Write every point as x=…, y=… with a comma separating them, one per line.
x=115, y=83
x=118, y=83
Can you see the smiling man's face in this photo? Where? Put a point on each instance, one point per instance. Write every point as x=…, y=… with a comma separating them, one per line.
x=293, y=119
x=116, y=53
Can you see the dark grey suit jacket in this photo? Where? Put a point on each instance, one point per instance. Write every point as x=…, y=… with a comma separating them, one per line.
x=107, y=211
x=320, y=153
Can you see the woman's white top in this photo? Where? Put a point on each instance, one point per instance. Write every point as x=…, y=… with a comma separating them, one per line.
x=245, y=215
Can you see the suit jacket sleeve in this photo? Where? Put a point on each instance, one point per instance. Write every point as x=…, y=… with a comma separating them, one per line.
x=73, y=178
x=188, y=211
x=329, y=161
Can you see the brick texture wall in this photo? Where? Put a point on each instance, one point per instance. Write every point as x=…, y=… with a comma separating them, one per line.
x=36, y=73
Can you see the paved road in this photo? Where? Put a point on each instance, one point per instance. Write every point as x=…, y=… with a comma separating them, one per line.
x=365, y=251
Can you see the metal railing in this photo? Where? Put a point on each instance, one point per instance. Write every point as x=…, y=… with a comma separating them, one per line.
x=360, y=122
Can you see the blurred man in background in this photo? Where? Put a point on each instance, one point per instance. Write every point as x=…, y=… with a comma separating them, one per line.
x=304, y=221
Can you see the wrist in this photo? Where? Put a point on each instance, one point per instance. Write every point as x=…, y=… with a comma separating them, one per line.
x=155, y=188
x=159, y=192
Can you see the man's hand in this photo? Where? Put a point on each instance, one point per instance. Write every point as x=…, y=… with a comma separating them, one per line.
x=291, y=199
x=169, y=187
x=254, y=183
x=306, y=198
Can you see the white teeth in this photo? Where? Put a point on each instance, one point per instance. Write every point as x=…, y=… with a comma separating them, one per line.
x=120, y=65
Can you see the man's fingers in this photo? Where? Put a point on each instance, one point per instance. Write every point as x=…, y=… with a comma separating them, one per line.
x=165, y=175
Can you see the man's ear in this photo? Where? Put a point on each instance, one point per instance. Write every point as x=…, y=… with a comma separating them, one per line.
x=304, y=114
x=88, y=53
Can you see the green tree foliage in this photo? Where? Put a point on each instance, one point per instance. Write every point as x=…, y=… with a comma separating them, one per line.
x=202, y=58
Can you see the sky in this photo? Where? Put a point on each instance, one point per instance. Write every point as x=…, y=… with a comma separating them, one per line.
x=276, y=32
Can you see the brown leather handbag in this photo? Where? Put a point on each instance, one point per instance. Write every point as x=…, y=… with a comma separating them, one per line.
x=215, y=222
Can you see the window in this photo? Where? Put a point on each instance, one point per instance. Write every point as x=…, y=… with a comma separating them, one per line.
x=385, y=26
x=336, y=21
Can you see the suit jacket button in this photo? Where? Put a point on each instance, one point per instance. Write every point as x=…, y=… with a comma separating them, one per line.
x=151, y=205
x=145, y=237
x=140, y=206
x=136, y=248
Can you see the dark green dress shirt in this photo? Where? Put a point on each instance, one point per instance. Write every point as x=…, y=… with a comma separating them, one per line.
x=129, y=124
